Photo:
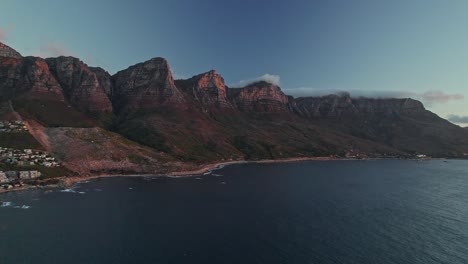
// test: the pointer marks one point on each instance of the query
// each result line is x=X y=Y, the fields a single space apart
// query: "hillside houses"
x=12 y=127
x=11 y=176
x=27 y=157
x=12 y=179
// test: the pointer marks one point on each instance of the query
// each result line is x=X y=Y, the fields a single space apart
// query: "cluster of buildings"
x=27 y=157
x=12 y=126
x=20 y=158
x=14 y=176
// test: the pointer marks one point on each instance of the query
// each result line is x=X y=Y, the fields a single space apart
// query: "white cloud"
x=458 y=119
x=270 y=78
x=429 y=97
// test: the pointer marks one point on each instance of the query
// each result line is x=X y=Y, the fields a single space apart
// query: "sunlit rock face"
x=146 y=85
x=105 y=80
x=207 y=88
x=6 y=51
x=260 y=97
x=81 y=85
x=27 y=75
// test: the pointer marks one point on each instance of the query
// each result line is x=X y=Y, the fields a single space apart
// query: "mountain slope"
x=402 y=124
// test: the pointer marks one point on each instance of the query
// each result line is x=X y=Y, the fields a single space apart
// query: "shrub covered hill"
x=142 y=120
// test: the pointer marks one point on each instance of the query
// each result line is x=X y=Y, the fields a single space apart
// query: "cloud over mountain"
x=458 y=119
x=429 y=97
x=271 y=78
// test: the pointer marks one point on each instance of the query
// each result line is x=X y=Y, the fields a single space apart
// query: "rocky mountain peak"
x=260 y=96
x=146 y=85
x=209 y=79
x=80 y=84
x=207 y=88
x=6 y=51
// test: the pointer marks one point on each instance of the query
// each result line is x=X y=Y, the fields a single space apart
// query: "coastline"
x=188 y=173
x=66 y=182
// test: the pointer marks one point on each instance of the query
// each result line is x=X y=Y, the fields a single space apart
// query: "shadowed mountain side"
x=197 y=136
x=402 y=124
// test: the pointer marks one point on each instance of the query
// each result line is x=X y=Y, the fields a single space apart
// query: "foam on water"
x=11 y=205
x=22 y=207
x=71 y=190
x=6 y=204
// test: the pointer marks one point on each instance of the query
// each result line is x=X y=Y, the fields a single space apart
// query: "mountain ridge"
x=201 y=119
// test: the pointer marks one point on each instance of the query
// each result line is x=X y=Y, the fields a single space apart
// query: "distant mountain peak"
x=6 y=51
x=208 y=88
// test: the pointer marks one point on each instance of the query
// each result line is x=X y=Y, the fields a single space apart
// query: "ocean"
x=382 y=211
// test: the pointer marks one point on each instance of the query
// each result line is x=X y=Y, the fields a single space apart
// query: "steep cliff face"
x=176 y=117
x=207 y=88
x=81 y=85
x=145 y=86
x=105 y=80
x=9 y=75
x=27 y=75
x=6 y=51
x=259 y=97
x=343 y=105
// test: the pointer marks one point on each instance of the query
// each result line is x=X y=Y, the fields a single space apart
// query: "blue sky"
x=401 y=48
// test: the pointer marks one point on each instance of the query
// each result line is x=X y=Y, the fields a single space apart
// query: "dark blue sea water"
x=309 y=212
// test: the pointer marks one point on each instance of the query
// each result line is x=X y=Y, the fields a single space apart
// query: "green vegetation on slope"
x=52 y=113
x=20 y=140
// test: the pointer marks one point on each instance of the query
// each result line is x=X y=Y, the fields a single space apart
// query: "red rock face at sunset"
x=207 y=88
x=145 y=86
x=80 y=84
x=260 y=97
x=27 y=75
x=6 y=51
x=202 y=120
x=104 y=79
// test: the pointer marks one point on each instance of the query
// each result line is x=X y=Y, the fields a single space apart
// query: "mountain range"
x=141 y=120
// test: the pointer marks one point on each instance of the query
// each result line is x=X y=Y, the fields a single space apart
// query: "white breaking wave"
x=10 y=204
x=22 y=207
x=71 y=190
x=6 y=204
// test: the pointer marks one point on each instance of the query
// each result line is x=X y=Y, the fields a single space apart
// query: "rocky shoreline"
x=65 y=182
